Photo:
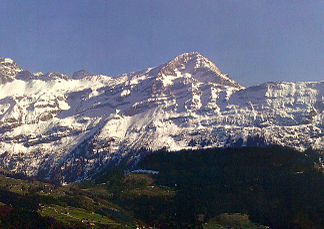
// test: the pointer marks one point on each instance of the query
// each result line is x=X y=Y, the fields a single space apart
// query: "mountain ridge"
x=66 y=128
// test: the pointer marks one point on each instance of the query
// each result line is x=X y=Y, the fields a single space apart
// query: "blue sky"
x=254 y=41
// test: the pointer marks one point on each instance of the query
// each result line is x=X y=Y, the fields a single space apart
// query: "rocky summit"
x=66 y=128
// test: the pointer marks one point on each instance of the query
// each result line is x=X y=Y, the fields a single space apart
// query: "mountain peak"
x=198 y=60
x=192 y=54
x=80 y=74
x=6 y=61
x=8 y=70
x=199 y=67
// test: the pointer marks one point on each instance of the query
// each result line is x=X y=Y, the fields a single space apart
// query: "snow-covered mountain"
x=66 y=128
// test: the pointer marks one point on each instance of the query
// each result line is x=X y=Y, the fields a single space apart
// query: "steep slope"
x=8 y=70
x=66 y=128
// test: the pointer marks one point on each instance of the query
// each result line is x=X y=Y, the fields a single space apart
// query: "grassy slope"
x=234 y=221
x=81 y=204
x=66 y=204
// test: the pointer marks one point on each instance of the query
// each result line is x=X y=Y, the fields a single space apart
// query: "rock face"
x=8 y=70
x=67 y=128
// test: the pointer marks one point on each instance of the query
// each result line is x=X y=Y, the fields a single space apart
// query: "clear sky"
x=254 y=41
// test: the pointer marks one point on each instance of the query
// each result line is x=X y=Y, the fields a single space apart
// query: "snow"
x=125 y=93
x=145 y=171
x=7 y=61
x=38 y=74
x=55 y=122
